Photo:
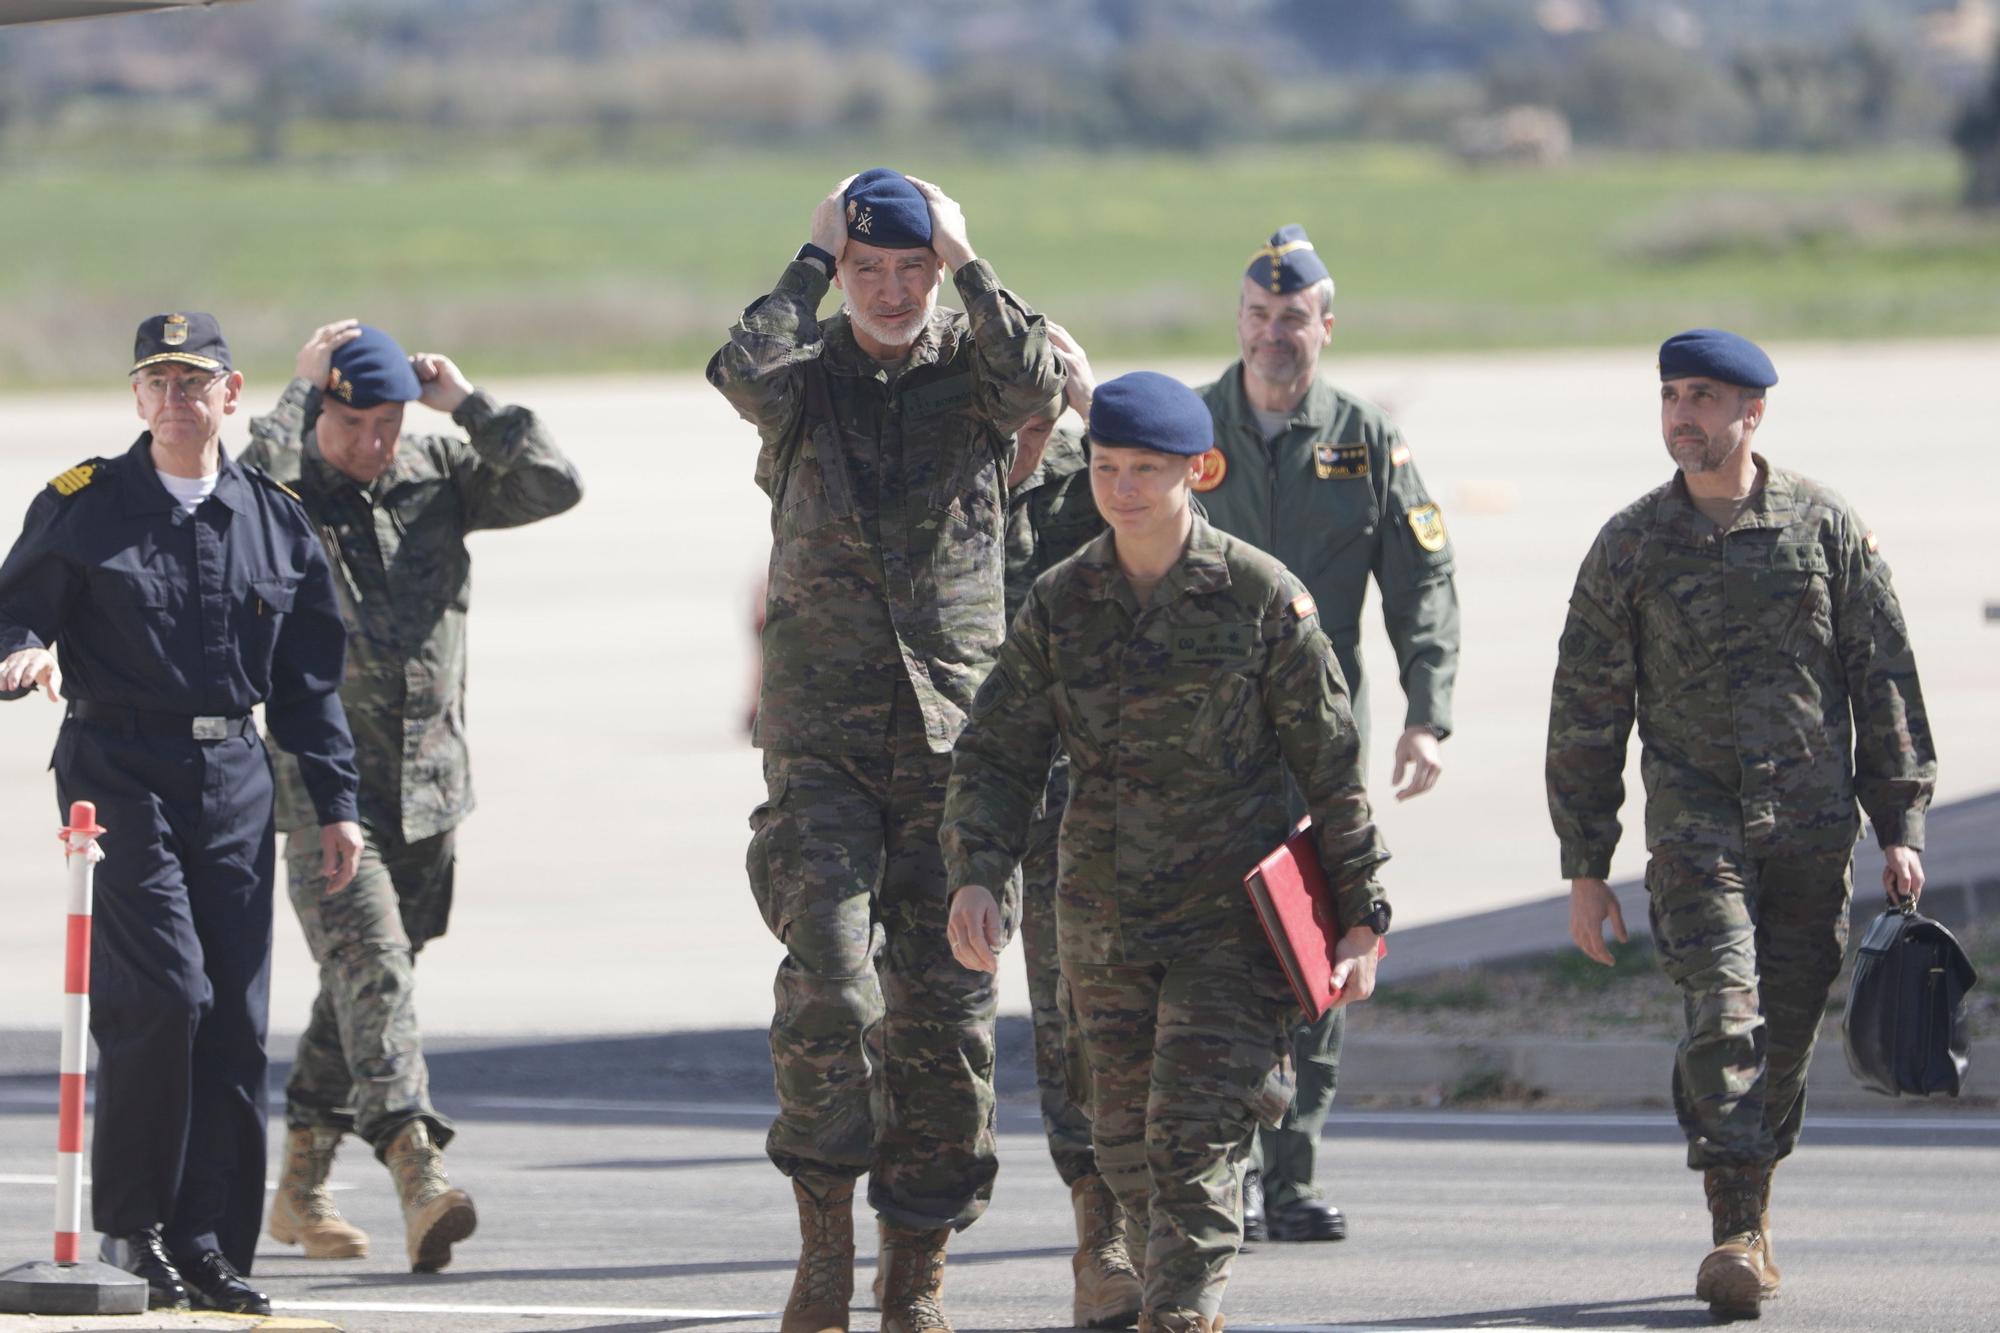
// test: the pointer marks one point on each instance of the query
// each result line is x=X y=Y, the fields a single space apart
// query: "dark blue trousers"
x=179 y=981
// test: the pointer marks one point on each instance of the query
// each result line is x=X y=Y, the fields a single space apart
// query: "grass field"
x=603 y=268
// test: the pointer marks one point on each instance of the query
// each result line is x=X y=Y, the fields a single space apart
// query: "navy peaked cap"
x=884 y=209
x=1717 y=355
x=1148 y=410
x=1288 y=263
x=193 y=339
x=371 y=370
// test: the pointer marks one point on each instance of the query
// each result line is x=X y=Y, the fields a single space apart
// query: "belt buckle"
x=211 y=728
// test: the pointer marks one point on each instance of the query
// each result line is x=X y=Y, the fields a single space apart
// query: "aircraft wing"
x=45 y=11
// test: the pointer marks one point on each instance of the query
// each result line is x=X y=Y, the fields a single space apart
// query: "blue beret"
x=1148 y=410
x=372 y=370
x=193 y=339
x=884 y=209
x=1717 y=355
x=1288 y=264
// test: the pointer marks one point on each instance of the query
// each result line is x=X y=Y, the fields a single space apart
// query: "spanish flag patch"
x=1399 y=455
x=74 y=480
x=1871 y=543
x=1302 y=606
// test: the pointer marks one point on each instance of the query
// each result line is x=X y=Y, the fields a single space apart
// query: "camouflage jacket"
x=405 y=580
x=1743 y=655
x=887 y=520
x=1180 y=721
x=1050 y=515
x=1336 y=498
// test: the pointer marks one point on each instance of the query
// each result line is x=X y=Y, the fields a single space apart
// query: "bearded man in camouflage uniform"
x=1185 y=675
x=1742 y=614
x=393 y=512
x=886 y=437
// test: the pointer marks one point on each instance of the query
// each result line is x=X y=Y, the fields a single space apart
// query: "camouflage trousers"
x=881 y=1044
x=1754 y=946
x=1186 y=1059
x=1060 y=1071
x=360 y=1062
x=1286 y=1155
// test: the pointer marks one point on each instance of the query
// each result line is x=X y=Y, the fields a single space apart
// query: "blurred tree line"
x=301 y=79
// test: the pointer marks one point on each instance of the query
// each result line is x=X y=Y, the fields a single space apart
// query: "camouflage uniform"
x=1180 y=721
x=883 y=614
x=1050 y=515
x=1746 y=652
x=404 y=578
x=1337 y=499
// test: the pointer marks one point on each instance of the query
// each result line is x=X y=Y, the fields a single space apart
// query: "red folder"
x=1288 y=890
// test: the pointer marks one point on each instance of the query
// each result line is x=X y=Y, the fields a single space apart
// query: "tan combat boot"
x=1770 y=1279
x=1179 y=1321
x=302 y=1213
x=1731 y=1278
x=1108 y=1292
x=435 y=1215
x=824 y=1283
x=913 y=1281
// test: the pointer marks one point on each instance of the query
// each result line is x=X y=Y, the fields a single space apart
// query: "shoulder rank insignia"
x=1301 y=606
x=74 y=480
x=1341 y=462
x=1399 y=455
x=1427 y=522
x=1214 y=467
x=286 y=489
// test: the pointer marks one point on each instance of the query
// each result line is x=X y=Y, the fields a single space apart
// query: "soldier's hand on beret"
x=1079 y=381
x=1902 y=875
x=30 y=667
x=445 y=386
x=1591 y=903
x=829 y=221
x=339 y=854
x=948 y=237
x=315 y=363
x=1417 y=751
x=974 y=929
x=1354 y=960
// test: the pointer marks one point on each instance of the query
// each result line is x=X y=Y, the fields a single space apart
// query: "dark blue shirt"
x=209 y=613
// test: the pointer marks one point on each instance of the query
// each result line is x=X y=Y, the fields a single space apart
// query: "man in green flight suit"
x=393 y=511
x=1742 y=616
x=886 y=435
x=1321 y=480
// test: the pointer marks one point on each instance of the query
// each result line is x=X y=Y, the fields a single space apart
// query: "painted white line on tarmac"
x=523 y=1311
x=15 y=1179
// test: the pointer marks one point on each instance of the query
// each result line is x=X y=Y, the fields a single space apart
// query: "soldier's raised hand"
x=829 y=221
x=315 y=363
x=1591 y=904
x=948 y=237
x=1079 y=381
x=974 y=930
x=445 y=385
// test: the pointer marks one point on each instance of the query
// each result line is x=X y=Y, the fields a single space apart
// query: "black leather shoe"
x=1253 y=1207
x=1308 y=1219
x=142 y=1255
x=216 y=1285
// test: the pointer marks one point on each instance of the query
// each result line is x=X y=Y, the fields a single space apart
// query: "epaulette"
x=271 y=481
x=72 y=480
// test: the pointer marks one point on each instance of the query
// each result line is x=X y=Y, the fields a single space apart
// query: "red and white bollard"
x=70 y=1285
x=80 y=853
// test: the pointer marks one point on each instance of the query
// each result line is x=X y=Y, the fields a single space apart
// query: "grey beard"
x=894 y=335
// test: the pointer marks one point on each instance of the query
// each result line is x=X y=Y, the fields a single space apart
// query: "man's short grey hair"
x=1323 y=289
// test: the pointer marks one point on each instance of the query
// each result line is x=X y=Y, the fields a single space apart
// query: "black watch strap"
x=1377 y=918
x=811 y=251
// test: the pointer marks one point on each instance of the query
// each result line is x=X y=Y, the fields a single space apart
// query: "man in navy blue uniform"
x=181 y=590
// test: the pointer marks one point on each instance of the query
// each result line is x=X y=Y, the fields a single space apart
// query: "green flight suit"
x=1338 y=499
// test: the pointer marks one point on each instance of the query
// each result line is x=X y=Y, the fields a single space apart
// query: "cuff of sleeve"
x=990 y=872
x=477 y=409
x=1357 y=902
x=1906 y=829
x=804 y=281
x=975 y=279
x=299 y=393
x=1582 y=863
x=1437 y=720
x=343 y=811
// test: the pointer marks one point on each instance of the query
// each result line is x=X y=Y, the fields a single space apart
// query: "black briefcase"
x=1905 y=1025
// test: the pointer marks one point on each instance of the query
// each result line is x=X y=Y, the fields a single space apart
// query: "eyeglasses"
x=187 y=387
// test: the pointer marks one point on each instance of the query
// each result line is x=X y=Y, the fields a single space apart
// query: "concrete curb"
x=161 y=1321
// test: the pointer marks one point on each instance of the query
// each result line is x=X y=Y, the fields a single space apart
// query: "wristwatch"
x=1377 y=917
x=811 y=251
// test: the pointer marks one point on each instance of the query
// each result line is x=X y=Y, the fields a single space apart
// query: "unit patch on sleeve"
x=74 y=480
x=1339 y=462
x=1427 y=522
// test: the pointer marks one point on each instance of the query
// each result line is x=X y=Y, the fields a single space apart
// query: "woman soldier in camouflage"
x=1184 y=672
